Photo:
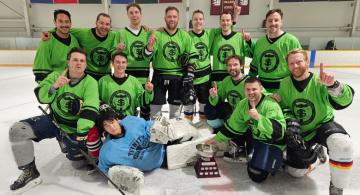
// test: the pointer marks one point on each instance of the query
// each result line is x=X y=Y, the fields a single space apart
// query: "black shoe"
x=236 y=154
x=29 y=178
x=334 y=190
x=320 y=153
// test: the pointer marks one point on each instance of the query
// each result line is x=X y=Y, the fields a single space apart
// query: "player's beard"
x=234 y=73
x=299 y=72
x=171 y=26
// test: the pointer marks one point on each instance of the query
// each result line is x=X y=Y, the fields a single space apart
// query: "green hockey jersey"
x=269 y=61
x=270 y=128
x=309 y=102
x=51 y=55
x=229 y=91
x=74 y=107
x=222 y=48
x=124 y=95
x=98 y=50
x=167 y=49
x=138 y=64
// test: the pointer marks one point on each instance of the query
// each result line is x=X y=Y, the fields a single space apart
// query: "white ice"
x=17 y=101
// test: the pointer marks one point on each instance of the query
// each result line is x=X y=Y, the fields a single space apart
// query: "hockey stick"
x=81 y=151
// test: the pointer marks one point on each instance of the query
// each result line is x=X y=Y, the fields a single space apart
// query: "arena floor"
x=18 y=102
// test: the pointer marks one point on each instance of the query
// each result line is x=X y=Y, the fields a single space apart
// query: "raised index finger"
x=252 y=104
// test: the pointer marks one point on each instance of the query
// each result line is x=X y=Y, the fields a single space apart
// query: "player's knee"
x=257 y=175
x=340 y=147
x=294 y=172
x=20 y=131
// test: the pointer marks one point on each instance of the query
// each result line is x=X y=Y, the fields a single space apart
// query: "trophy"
x=206 y=166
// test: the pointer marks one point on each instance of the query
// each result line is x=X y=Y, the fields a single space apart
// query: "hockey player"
x=132 y=40
x=309 y=100
x=165 y=47
x=134 y=145
x=98 y=42
x=202 y=40
x=263 y=117
x=223 y=99
x=270 y=51
x=51 y=55
x=123 y=92
x=228 y=43
x=127 y=150
x=74 y=103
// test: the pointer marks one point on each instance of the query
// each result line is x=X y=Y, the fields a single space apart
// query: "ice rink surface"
x=18 y=102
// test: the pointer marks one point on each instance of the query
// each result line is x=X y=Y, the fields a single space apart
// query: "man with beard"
x=260 y=115
x=166 y=46
x=270 y=52
x=308 y=101
x=224 y=96
x=98 y=44
x=132 y=41
x=74 y=101
x=51 y=55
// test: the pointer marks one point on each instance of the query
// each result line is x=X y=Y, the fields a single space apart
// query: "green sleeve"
x=264 y=125
x=344 y=99
x=42 y=92
x=89 y=109
x=78 y=32
x=42 y=59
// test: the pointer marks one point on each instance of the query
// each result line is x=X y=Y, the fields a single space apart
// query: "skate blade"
x=237 y=161
x=28 y=186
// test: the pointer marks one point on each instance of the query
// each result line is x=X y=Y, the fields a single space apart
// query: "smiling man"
x=51 y=55
x=270 y=51
x=165 y=47
x=74 y=101
x=308 y=101
x=98 y=42
x=131 y=41
x=262 y=116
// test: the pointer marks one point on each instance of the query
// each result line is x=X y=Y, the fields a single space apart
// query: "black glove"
x=292 y=135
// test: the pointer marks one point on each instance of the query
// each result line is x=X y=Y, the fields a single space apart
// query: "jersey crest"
x=136 y=50
x=69 y=103
x=224 y=52
x=202 y=50
x=304 y=111
x=100 y=56
x=137 y=146
x=233 y=97
x=171 y=51
x=120 y=101
x=269 y=61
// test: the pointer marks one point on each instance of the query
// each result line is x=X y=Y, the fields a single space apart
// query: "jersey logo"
x=69 y=104
x=136 y=50
x=269 y=61
x=120 y=101
x=304 y=111
x=171 y=51
x=233 y=97
x=202 y=50
x=137 y=147
x=224 y=52
x=100 y=57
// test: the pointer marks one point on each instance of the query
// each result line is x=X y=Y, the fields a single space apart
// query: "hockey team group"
x=106 y=112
